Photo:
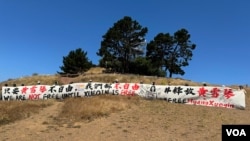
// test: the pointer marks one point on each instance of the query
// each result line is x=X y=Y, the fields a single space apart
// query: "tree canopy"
x=76 y=62
x=122 y=44
x=171 y=52
x=123 y=50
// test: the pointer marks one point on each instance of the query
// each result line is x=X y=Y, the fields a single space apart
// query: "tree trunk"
x=170 y=74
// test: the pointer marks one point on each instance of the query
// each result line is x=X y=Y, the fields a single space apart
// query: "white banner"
x=196 y=95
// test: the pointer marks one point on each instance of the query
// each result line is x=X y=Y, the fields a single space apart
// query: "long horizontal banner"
x=196 y=95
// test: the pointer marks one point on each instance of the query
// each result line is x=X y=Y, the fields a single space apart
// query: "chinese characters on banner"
x=206 y=96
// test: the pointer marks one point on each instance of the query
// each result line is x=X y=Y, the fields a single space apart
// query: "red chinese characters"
x=202 y=92
x=117 y=86
x=33 y=89
x=215 y=92
x=24 y=90
x=42 y=89
x=127 y=88
x=228 y=93
x=135 y=87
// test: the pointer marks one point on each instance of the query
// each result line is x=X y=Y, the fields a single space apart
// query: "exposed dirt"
x=147 y=121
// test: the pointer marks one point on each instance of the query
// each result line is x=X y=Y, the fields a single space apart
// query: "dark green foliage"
x=122 y=44
x=159 y=49
x=122 y=50
x=143 y=66
x=76 y=62
x=171 y=52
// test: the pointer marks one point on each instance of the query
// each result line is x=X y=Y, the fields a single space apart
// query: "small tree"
x=76 y=62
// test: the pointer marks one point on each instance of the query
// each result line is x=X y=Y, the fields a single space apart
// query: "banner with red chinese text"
x=196 y=95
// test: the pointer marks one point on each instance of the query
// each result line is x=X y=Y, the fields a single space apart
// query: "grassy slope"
x=200 y=117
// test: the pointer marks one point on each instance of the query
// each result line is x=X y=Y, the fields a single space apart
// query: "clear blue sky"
x=36 y=34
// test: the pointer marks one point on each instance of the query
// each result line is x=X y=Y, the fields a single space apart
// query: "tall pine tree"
x=122 y=44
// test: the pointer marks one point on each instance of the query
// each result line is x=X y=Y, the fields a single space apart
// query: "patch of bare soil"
x=31 y=128
x=148 y=121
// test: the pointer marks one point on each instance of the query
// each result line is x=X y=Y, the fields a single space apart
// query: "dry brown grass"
x=96 y=75
x=75 y=109
x=16 y=110
x=88 y=109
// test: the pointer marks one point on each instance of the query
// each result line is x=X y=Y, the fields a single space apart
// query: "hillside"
x=112 y=118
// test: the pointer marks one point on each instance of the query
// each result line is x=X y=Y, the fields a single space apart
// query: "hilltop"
x=96 y=75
